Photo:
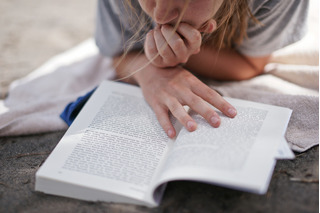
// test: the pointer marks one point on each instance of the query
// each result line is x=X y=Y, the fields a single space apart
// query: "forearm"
x=225 y=64
x=129 y=66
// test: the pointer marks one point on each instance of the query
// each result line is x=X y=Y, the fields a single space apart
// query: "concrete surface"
x=31 y=32
x=294 y=186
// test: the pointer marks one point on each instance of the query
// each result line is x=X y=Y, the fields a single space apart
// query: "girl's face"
x=196 y=14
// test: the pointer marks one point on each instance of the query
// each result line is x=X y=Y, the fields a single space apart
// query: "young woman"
x=161 y=44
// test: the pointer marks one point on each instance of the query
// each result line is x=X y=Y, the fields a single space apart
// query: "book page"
x=284 y=151
x=240 y=153
x=225 y=148
x=115 y=144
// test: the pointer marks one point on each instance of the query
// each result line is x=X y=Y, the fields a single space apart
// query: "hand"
x=168 y=90
x=165 y=47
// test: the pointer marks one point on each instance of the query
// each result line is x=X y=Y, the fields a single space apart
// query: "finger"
x=163 y=48
x=202 y=108
x=191 y=35
x=151 y=48
x=176 y=43
x=164 y=120
x=180 y=113
x=213 y=98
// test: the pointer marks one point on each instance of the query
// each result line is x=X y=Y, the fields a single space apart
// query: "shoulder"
x=125 y=12
x=117 y=26
x=281 y=22
x=113 y=7
x=263 y=8
x=120 y=7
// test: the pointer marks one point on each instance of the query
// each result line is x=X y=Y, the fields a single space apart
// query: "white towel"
x=35 y=102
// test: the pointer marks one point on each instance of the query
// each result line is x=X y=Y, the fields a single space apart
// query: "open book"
x=116 y=151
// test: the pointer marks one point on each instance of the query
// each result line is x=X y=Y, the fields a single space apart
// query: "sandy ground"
x=32 y=31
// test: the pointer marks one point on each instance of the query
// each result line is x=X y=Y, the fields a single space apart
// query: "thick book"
x=116 y=151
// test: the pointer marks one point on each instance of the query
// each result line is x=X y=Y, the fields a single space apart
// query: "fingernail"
x=170 y=133
x=215 y=121
x=191 y=125
x=232 y=112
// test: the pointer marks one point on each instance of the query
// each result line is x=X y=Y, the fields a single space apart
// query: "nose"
x=165 y=12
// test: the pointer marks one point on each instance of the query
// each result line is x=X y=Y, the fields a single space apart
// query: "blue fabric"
x=71 y=111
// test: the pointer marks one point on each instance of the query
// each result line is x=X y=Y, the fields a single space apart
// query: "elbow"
x=247 y=74
x=252 y=68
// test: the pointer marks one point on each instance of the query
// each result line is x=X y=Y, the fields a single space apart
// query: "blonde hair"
x=232 y=21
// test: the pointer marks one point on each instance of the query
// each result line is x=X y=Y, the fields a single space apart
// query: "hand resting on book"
x=168 y=90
